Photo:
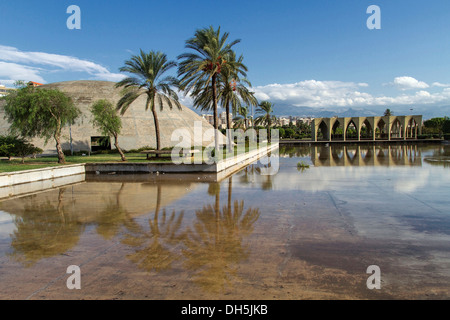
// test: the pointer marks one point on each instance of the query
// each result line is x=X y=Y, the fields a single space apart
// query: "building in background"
x=34 y=84
x=138 y=130
x=4 y=90
x=222 y=120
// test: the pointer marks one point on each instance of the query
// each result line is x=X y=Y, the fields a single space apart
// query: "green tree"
x=446 y=126
x=20 y=83
x=106 y=119
x=36 y=112
x=289 y=132
x=199 y=70
x=147 y=78
x=388 y=113
x=435 y=125
x=265 y=116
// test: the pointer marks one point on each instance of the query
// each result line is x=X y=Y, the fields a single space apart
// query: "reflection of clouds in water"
x=7 y=225
x=412 y=181
x=399 y=179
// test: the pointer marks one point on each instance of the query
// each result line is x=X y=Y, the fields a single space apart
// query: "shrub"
x=13 y=146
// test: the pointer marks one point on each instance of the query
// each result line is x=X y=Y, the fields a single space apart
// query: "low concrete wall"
x=28 y=181
x=40 y=186
x=27 y=176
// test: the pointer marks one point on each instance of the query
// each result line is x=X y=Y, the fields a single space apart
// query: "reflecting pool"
x=303 y=233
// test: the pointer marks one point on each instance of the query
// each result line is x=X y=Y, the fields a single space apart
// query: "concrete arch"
x=381 y=123
x=370 y=131
x=350 y=122
x=381 y=128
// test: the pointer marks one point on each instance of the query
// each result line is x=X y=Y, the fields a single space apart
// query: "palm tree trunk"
x=227 y=110
x=116 y=144
x=158 y=137
x=216 y=118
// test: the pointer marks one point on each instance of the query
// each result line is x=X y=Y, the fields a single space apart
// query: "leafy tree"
x=147 y=78
x=435 y=125
x=289 y=132
x=37 y=112
x=11 y=146
x=20 y=83
x=388 y=113
x=199 y=70
x=446 y=126
x=106 y=119
x=6 y=146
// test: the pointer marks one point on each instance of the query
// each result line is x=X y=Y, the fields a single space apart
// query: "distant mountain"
x=426 y=111
x=281 y=110
x=284 y=110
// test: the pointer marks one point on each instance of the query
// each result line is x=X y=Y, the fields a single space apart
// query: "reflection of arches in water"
x=337 y=153
x=366 y=154
x=352 y=155
x=397 y=154
x=351 y=132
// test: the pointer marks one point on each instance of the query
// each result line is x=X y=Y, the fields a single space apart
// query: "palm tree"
x=147 y=71
x=199 y=70
x=242 y=119
x=231 y=90
x=265 y=118
x=235 y=89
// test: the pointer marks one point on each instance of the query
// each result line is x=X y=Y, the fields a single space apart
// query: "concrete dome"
x=138 y=128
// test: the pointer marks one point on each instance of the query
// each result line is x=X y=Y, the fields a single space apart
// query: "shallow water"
x=304 y=233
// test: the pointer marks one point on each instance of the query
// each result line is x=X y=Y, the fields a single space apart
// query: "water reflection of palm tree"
x=44 y=230
x=266 y=183
x=246 y=174
x=155 y=247
x=113 y=217
x=214 y=246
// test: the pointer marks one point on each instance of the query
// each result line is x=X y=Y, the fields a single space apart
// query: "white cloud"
x=323 y=94
x=409 y=83
x=13 y=71
x=313 y=93
x=441 y=85
x=21 y=65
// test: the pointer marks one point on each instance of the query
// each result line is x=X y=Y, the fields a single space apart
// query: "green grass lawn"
x=52 y=161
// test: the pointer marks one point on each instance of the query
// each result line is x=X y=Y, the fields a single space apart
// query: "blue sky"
x=300 y=53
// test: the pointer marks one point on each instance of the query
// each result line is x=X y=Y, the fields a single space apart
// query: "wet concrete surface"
x=300 y=234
